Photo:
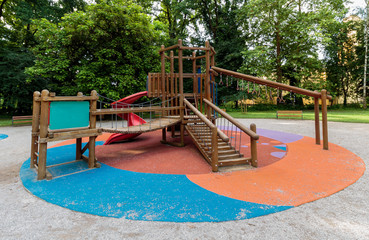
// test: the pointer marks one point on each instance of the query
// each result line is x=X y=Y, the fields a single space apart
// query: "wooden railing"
x=323 y=95
x=234 y=126
x=213 y=144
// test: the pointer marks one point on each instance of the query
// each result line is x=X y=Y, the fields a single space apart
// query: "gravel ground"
x=344 y=215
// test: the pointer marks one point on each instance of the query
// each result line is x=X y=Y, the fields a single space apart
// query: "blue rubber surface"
x=112 y=192
x=3 y=136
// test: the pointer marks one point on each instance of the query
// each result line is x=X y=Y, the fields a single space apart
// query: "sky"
x=356 y=4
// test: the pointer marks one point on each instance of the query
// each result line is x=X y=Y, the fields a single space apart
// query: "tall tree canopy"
x=343 y=58
x=17 y=36
x=110 y=47
x=286 y=36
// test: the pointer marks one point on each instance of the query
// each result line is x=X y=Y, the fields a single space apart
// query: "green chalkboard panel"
x=71 y=114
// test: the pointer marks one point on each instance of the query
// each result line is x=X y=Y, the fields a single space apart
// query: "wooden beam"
x=269 y=83
x=67 y=98
x=132 y=110
x=52 y=137
x=194 y=48
x=168 y=48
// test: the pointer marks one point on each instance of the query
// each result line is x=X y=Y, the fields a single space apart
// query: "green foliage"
x=177 y=15
x=17 y=36
x=285 y=37
x=110 y=48
x=343 y=66
x=15 y=94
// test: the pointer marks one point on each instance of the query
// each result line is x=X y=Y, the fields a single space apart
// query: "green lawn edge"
x=351 y=116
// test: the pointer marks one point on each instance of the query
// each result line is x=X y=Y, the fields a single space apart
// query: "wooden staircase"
x=201 y=136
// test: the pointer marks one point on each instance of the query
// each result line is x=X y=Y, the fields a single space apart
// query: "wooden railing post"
x=163 y=93
x=92 y=140
x=194 y=71
x=207 y=80
x=317 y=122
x=324 y=119
x=35 y=128
x=254 y=153
x=181 y=96
x=44 y=123
x=214 y=148
x=79 y=140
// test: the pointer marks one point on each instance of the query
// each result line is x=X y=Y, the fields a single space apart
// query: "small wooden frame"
x=43 y=119
x=21 y=119
x=289 y=114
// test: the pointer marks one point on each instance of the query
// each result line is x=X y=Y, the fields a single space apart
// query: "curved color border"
x=305 y=174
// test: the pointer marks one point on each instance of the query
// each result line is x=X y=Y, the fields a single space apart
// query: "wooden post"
x=78 y=148
x=254 y=152
x=44 y=122
x=35 y=128
x=207 y=80
x=92 y=140
x=79 y=140
x=162 y=78
x=212 y=63
x=181 y=96
x=214 y=148
x=194 y=71
x=317 y=122
x=164 y=135
x=324 y=119
x=173 y=79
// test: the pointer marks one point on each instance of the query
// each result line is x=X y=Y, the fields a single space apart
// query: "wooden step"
x=225 y=152
x=203 y=134
x=221 y=145
x=229 y=156
x=233 y=161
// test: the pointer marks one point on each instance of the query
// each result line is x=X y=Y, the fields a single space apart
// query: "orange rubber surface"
x=305 y=174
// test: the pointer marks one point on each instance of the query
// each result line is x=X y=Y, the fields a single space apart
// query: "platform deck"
x=153 y=125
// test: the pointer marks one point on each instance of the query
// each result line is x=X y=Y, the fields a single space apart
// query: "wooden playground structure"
x=215 y=133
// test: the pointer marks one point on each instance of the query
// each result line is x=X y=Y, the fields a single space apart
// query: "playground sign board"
x=71 y=114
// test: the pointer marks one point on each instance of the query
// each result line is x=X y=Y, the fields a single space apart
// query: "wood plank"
x=147 y=127
x=232 y=162
x=67 y=98
x=69 y=135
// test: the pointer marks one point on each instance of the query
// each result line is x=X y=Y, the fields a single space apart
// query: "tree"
x=286 y=36
x=343 y=65
x=17 y=36
x=110 y=48
x=222 y=26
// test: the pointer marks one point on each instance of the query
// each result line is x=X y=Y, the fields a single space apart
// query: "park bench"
x=289 y=114
x=21 y=119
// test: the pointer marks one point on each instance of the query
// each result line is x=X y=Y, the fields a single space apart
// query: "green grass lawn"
x=5 y=121
x=354 y=116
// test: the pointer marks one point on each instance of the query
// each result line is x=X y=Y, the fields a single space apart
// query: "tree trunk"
x=278 y=57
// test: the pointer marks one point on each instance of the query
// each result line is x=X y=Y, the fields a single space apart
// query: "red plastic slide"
x=133 y=119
